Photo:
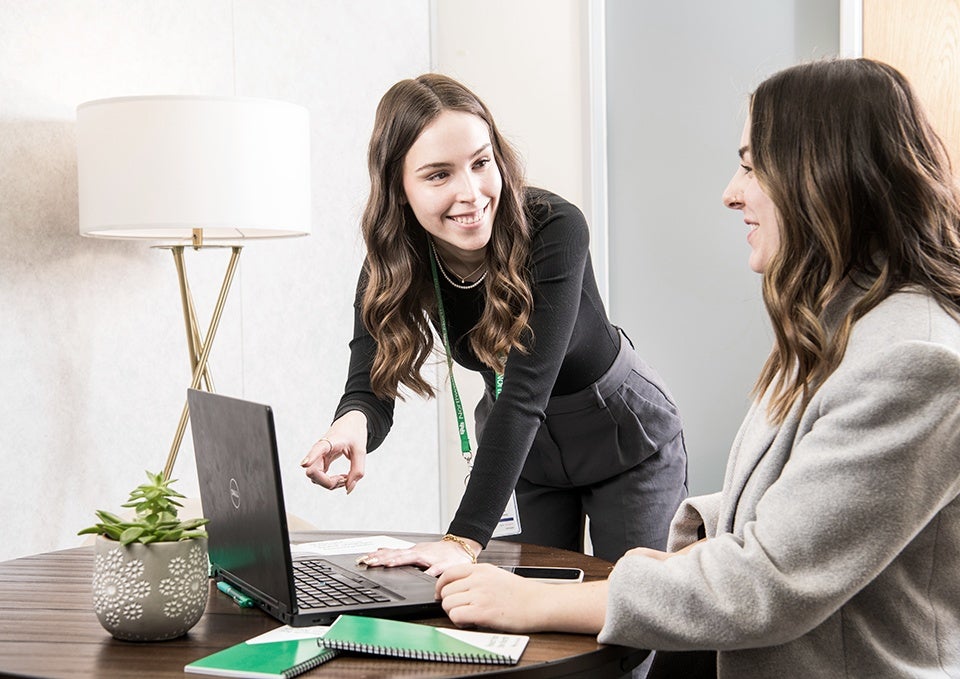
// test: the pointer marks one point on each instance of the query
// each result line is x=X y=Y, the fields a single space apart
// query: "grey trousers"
x=613 y=452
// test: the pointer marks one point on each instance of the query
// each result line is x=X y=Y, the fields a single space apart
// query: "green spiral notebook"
x=281 y=653
x=400 y=639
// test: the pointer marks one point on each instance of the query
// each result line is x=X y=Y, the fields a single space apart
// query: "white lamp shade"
x=158 y=167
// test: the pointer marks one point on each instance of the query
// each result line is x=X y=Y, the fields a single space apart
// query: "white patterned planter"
x=150 y=592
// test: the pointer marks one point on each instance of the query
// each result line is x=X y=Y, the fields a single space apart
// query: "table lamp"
x=198 y=172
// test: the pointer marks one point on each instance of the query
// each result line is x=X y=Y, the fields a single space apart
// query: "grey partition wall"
x=677 y=79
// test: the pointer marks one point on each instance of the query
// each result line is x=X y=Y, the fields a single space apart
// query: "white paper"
x=510 y=645
x=288 y=633
x=361 y=545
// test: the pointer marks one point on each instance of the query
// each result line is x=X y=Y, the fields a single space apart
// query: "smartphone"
x=547 y=573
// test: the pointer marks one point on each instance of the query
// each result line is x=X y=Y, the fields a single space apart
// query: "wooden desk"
x=48 y=627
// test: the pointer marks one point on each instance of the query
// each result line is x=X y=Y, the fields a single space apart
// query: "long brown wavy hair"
x=399 y=303
x=864 y=191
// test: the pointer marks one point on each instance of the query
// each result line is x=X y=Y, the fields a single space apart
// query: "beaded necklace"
x=462 y=285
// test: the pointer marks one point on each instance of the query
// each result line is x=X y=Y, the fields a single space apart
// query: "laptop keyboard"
x=321 y=586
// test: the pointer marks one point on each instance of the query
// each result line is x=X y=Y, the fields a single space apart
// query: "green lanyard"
x=457 y=403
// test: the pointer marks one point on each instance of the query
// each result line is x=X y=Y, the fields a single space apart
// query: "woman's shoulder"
x=902 y=363
x=537 y=195
x=907 y=316
x=546 y=209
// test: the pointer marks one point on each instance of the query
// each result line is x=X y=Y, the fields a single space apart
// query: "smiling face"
x=453 y=184
x=744 y=193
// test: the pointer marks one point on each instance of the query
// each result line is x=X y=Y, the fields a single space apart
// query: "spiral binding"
x=412 y=654
x=308 y=665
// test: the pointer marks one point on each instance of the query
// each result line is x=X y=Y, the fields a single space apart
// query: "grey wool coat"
x=834 y=545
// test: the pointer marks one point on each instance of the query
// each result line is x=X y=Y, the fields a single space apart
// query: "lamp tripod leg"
x=194 y=339
x=201 y=365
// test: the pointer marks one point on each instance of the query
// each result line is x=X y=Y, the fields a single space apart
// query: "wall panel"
x=921 y=39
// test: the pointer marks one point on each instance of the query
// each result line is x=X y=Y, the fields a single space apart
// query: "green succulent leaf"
x=107 y=517
x=130 y=534
x=191 y=524
x=112 y=532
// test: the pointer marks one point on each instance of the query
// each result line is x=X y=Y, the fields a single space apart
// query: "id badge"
x=509 y=523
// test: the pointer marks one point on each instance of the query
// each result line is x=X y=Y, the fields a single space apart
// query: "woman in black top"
x=571 y=417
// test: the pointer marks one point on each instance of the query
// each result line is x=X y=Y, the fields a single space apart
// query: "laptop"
x=238 y=468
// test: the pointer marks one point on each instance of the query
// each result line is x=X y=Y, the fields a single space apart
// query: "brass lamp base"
x=198 y=347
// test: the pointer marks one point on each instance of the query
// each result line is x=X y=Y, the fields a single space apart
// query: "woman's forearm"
x=578 y=609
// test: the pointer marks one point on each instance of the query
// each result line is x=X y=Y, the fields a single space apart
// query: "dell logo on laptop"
x=235 y=493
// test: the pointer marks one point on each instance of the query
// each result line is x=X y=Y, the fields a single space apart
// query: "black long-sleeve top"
x=573 y=345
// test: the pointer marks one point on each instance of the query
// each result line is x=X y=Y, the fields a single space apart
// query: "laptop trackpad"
x=401 y=579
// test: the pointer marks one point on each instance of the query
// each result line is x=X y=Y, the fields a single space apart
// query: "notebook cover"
x=272 y=659
x=401 y=639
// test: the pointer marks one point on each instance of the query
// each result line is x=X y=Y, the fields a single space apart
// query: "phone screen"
x=554 y=574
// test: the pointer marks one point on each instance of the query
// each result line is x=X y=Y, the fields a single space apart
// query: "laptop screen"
x=241 y=494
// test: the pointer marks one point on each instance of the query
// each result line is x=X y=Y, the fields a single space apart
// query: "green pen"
x=241 y=599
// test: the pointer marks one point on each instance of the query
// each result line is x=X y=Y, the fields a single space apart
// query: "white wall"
x=678 y=76
x=93 y=362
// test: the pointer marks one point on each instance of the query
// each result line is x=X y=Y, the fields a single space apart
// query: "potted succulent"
x=150 y=573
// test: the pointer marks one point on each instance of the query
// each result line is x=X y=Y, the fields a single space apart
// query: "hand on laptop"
x=436 y=557
x=346 y=437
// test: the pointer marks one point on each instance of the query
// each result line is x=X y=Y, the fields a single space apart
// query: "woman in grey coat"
x=833 y=549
